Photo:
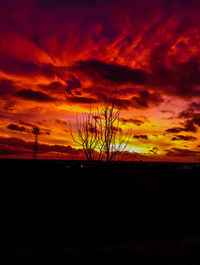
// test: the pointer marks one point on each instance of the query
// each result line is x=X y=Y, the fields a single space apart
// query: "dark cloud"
x=98 y=70
x=81 y=100
x=61 y=122
x=134 y=121
x=184 y=138
x=15 y=127
x=196 y=120
x=6 y=150
x=185 y=115
x=27 y=124
x=13 y=146
x=16 y=116
x=30 y=94
x=122 y=103
x=116 y=129
x=182 y=152
x=15 y=143
x=167 y=111
x=175 y=130
x=54 y=87
x=45 y=131
x=44 y=148
x=194 y=106
x=180 y=79
x=144 y=99
x=126 y=91
x=188 y=126
x=72 y=84
x=33 y=127
x=192 y=113
x=154 y=150
x=191 y=116
x=142 y=136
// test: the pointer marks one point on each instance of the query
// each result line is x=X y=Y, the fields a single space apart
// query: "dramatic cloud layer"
x=33 y=95
x=60 y=57
x=16 y=146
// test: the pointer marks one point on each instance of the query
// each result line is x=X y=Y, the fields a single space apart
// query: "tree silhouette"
x=87 y=135
x=99 y=133
x=113 y=140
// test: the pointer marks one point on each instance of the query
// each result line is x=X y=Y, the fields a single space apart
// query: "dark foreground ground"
x=57 y=212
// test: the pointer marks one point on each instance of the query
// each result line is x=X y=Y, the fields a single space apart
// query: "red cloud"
x=16 y=146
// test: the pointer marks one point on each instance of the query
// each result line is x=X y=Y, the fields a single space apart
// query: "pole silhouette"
x=36 y=131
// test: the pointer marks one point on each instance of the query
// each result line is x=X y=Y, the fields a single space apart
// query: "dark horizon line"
x=96 y=161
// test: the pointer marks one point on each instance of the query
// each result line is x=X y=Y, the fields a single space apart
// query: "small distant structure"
x=36 y=131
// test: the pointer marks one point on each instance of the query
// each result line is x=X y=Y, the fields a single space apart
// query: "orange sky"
x=55 y=57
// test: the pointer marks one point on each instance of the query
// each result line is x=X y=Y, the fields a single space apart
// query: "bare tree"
x=99 y=133
x=113 y=140
x=87 y=135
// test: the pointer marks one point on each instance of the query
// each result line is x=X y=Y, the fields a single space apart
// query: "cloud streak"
x=30 y=94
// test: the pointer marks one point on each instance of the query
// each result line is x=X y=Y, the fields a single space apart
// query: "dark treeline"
x=77 y=212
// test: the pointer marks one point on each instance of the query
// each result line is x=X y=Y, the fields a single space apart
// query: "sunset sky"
x=56 y=55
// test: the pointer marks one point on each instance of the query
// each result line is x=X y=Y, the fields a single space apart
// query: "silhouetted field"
x=75 y=212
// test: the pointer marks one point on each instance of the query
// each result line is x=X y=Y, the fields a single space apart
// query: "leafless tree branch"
x=99 y=133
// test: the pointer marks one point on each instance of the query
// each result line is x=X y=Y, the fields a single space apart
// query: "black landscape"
x=80 y=212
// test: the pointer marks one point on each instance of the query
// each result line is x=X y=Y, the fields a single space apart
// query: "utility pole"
x=36 y=131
